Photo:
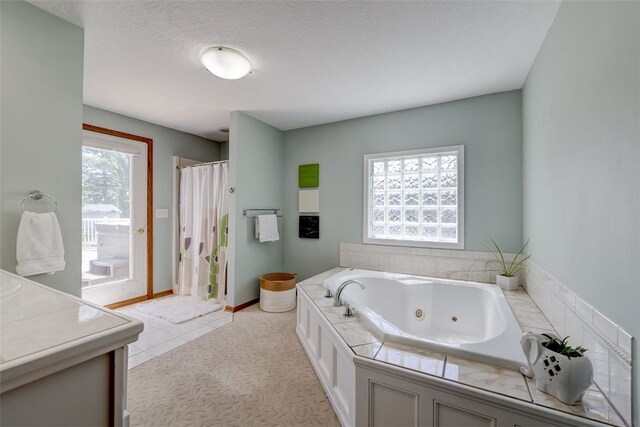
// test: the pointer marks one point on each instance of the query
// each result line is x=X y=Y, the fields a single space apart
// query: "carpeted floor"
x=252 y=371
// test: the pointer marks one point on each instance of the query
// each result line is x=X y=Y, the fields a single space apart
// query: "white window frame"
x=366 y=225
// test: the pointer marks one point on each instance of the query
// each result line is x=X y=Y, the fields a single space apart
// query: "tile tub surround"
x=489 y=378
x=443 y=263
x=609 y=345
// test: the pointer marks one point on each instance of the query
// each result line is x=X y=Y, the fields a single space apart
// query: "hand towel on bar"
x=267 y=228
x=39 y=247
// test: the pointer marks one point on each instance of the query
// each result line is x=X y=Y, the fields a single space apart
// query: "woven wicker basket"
x=278 y=292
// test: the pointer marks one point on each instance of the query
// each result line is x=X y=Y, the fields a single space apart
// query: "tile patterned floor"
x=160 y=336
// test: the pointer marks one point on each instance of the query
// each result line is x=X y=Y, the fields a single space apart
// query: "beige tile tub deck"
x=367 y=350
x=355 y=333
x=499 y=380
x=593 y=404
x=416 y=359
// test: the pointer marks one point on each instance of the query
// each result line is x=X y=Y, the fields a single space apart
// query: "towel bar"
x=275 y=211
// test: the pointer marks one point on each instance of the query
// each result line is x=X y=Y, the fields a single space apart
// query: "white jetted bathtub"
x=467 y=319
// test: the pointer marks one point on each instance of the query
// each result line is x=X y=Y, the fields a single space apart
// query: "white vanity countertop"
x=511 y=384
x=43 y=330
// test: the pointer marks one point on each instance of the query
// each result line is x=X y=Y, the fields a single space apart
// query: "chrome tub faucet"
x=336 y=298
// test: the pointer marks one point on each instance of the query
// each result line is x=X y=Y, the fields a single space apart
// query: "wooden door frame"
x=149 y=143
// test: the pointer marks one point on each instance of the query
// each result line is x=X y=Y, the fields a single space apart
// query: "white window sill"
x=414 y=243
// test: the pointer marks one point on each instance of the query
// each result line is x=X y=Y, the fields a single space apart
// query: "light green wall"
x=256 y=165
x=224 y=150
x=166 y=144
x=581 y=112
x=488 y=126
x=41 y=121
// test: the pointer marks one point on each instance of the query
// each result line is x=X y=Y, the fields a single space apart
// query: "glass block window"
x=415 y=198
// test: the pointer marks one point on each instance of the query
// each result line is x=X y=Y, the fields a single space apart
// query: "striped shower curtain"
x=203 y=240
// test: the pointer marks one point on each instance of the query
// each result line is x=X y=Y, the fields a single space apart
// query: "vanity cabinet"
x=63 y=361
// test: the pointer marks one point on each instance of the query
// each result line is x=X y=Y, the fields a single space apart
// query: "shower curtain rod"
x=202 y=164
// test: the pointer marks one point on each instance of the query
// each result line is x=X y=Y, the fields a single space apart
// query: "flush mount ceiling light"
x=225 y=63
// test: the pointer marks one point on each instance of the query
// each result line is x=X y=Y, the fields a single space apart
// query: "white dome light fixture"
x=225 y=63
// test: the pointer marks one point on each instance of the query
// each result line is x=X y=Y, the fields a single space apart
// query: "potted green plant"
x=507 y=277
x=560 y=346
x=559 y=369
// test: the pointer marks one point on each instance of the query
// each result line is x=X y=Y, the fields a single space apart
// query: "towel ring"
x=38 y=195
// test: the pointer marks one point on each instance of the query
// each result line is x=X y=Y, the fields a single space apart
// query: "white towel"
x=267 y=228
x=39 y=247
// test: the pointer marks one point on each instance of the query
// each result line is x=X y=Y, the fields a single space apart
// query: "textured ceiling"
x=314 y=61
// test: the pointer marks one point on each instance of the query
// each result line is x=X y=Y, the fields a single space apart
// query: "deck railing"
x=89 y=234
